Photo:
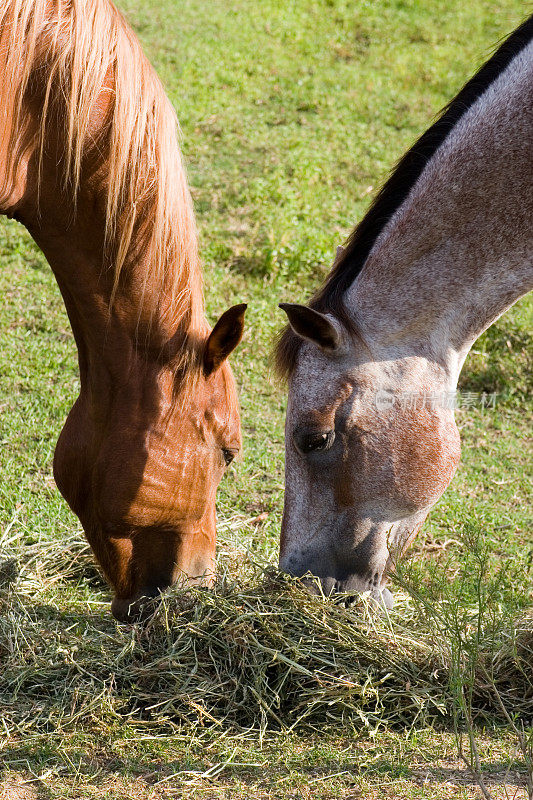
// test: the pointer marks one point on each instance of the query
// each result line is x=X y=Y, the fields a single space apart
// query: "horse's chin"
x=383 y=598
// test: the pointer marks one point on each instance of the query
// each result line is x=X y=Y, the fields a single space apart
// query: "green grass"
x=292 y=114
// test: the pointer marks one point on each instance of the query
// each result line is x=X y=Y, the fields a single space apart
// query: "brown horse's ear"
x=224 y=337
x=312 y=325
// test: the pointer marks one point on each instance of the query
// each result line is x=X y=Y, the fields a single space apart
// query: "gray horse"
x=373 y=361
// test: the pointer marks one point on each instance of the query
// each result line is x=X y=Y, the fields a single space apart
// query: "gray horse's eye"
x=314 y=442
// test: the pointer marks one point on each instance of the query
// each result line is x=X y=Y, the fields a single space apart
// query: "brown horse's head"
x=140 y=462
x=90 y=163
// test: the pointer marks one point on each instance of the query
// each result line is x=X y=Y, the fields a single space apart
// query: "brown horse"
x=89 y=163
x=373 y=363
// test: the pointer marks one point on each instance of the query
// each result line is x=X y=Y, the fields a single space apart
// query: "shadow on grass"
x=36 y=765
x=494 y=773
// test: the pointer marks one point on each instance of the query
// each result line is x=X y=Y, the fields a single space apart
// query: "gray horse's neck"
x=459 y=250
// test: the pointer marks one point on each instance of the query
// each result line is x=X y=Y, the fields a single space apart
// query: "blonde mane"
x=81 y=49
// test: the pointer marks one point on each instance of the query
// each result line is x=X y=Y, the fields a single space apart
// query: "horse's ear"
x=312 y=325
x=224 y=338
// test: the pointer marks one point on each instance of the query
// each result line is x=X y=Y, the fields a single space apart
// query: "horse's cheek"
x=428 y=458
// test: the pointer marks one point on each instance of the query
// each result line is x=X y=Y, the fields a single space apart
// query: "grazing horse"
x=90 y=164
x=372 y=362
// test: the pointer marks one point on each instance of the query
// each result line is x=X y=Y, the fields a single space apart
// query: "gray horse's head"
x=370 y=447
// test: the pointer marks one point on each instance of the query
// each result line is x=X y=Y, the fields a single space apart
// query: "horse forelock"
x=330 y=297
x=82 y=50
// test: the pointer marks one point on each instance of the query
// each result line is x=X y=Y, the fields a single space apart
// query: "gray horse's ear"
x=224 y=338
x=312 y=325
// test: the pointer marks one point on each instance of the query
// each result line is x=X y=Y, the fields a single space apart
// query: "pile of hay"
x=256 y=652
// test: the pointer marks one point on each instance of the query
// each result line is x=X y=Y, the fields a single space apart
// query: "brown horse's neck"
x=457 y=253
x=90 y=164
x=119 y=334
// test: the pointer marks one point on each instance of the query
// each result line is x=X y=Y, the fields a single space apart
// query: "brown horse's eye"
x=229 y=455
x=314 y=442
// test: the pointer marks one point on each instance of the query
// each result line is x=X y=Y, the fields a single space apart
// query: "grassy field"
x=292 y=113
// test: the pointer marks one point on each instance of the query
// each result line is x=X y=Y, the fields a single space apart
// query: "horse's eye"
x=315 y=442
x=229 y=455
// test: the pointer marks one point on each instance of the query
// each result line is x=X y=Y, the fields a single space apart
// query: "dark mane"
x=330 y=297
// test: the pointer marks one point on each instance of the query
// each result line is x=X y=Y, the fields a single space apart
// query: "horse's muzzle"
x=136 y=609
x=329 y=579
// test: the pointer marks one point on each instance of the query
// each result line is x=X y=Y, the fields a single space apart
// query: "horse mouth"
x=138 y=608
x=344 y=592
x=145 y=602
